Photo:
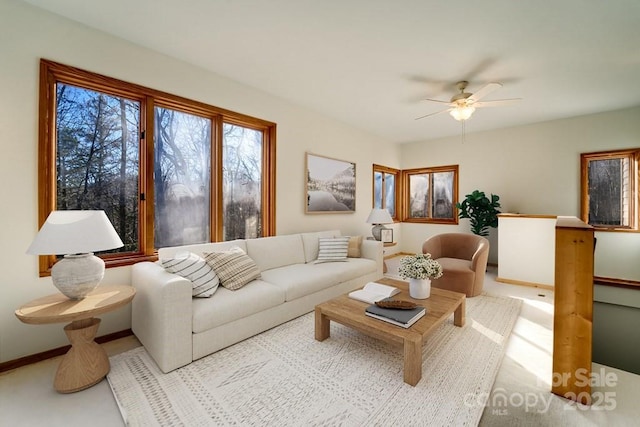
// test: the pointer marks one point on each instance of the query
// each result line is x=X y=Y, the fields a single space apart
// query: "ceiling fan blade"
x=437 y=100
x=484 y=91
x=433 y=114
x=497 y=102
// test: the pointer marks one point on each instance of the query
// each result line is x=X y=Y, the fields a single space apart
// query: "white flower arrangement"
x=419 y=266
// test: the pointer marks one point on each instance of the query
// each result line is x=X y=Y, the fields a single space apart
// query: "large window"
x=430 y=195
x=609 y=199
x=166 y=170
x=385 y=189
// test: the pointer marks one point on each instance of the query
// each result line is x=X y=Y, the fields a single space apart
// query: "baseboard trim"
x=38 y=357
x=523 y=283
x=620 y=283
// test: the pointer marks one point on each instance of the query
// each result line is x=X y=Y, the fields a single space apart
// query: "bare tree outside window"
x=609 y=189
x=182 y=176
x=97 y=157
x=442 y=184
x=385 y=187
x=419 y=195
x=241 y=182
x=430 y=194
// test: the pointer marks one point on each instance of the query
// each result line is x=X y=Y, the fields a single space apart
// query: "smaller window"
x=609 y=195
x=385 y=189
x=430 y=195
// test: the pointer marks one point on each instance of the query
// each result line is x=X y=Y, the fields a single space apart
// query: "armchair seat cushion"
x=458 y=274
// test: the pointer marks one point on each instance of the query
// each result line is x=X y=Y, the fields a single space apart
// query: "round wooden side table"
x=86 y=363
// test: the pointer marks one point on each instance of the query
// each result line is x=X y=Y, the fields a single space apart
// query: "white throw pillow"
x=332 y=249
x=234 y=267
x=192 y=267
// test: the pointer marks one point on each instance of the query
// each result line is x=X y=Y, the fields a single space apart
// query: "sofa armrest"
x=374 y=250
x=162 y=315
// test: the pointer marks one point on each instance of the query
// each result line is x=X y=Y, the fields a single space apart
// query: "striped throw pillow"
x=332 y=249
x=234 y=268
x=192 y=267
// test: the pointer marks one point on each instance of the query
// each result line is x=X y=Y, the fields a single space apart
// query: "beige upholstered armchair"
x=464 y=261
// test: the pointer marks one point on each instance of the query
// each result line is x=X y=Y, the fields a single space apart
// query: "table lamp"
x=76 y=235
x=378 y=217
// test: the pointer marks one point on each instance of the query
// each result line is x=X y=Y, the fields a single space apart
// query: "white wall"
x=535 y=169
x=28 y=34
x=526 y=249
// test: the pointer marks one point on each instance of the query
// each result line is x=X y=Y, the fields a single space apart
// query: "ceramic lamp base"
x=77 y=275
x=376 y=231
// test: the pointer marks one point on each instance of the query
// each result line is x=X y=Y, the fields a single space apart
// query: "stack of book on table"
x=374 y=292
x=404 y=318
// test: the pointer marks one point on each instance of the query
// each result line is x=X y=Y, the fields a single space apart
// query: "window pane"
x=390 y=193
x=609 y=188
x=442 y=195
x=241 y=182
x=418 y=195
x=182 y=177
x=377 y=190
x=97 y=157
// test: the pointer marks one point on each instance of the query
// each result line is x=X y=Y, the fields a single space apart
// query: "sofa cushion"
x=193 y=267
x=332 y=249
x=310 y=242
x=299 y=280
x=234 y=267
x=276 y=251
x=353 y=250
x=227 y=306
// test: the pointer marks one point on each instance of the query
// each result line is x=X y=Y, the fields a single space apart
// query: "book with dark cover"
x=404 y=318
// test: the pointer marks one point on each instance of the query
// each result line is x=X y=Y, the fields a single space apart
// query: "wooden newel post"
x=573 y=310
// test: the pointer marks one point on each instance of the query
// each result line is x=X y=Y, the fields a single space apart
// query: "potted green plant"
x=481 y=210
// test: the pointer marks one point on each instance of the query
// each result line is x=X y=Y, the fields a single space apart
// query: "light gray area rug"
x=284 y=377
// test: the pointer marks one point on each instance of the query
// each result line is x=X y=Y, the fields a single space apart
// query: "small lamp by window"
x=76 y=235
x=378 y=217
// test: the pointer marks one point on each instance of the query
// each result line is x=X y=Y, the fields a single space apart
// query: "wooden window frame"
x=52 y=73
x=406 y=174
x=397 y=173
x=633 y=154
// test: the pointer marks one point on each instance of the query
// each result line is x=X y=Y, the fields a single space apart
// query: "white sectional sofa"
x=176 y=329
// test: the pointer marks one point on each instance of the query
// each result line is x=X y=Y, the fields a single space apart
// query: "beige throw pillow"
x=192 y=267
x=234 y=267
x=353 y=250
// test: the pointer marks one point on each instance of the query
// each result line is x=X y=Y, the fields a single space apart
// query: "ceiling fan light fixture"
x=462 y=113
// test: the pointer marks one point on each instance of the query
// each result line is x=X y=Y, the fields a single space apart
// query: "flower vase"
x=419 y=288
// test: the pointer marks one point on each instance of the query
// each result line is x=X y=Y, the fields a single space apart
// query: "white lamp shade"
x=75 y=232
x=379 y=216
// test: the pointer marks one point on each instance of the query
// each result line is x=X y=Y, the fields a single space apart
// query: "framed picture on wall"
x=386 y=235
x=330 y=185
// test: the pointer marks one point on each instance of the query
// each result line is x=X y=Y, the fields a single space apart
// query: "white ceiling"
x=370 y=62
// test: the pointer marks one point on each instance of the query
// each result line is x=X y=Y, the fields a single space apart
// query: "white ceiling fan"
x=463 y=104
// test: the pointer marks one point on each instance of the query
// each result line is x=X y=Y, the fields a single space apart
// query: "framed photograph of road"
x=331 y=185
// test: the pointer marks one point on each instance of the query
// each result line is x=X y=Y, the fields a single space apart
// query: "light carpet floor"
x=284 y=377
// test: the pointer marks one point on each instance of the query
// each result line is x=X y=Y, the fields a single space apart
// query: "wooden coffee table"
x=349 y=312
